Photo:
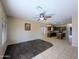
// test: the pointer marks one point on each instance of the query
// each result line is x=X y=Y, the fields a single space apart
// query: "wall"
x=3 y=32
x=17 y=33
x=75 y=31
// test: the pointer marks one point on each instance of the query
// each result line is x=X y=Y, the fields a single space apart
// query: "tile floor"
x=61 y=50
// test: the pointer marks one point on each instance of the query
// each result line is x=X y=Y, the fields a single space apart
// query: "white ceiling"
x=27 y=9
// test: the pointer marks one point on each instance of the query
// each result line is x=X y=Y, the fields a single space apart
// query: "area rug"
x=26 y=50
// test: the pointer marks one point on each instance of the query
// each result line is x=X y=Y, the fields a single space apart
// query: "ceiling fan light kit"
x=42 y=18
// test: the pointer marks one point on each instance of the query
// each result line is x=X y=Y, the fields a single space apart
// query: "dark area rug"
x=26 y=50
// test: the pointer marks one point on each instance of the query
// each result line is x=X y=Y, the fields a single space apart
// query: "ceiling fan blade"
x=48 y=16
x=38 y=20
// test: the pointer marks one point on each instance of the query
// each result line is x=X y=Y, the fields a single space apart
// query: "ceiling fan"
x=42 y=15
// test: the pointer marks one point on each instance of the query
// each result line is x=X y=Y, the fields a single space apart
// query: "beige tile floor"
x=61 y=49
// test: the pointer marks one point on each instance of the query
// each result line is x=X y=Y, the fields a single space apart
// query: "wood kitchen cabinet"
x=59 y=35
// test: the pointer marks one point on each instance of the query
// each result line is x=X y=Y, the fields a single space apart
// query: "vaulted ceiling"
x=27 y=9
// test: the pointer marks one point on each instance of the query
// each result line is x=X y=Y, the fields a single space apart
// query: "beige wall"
x=75 y=31
x=17 y=33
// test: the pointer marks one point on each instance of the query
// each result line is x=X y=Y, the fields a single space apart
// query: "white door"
x=4 y=31
x=0 y=32
x=43 y=31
